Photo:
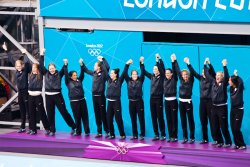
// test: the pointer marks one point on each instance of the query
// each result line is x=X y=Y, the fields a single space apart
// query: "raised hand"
x=100 y=58
x=224 y=62
x=236 y=72
x=65 y=62
x=208 y=60
x=157 y=57
x=130 y=61
x=4 y=46
x=142 y=59
x=42 y=51
x=23 y=51
x=173 y=57
x=186 y=60
x=81 y=61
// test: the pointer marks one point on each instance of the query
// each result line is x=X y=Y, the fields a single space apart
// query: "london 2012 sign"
x=187 y=4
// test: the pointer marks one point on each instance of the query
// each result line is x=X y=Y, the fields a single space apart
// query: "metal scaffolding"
x=24 y=9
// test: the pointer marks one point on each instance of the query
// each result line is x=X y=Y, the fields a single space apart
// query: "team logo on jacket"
x=94 y=49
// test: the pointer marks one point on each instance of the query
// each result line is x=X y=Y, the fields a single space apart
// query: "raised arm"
x=65 y=67
x=241 y=83
x=43 y=69
x=211 y=70
x=122 y=77
x=226 y=74
x=177 y=69
x=105 y=70
x=85 y=69
x=11 y=59
x=175 y=65
x=27 y=65
x=191 y=77
x=161 y=67
x=61 y=72
x=142 y=67
x=126 y=70
x=81 y=77
x=174 y=72
x=147 y=74
x=193 y=72
x=207 y=74
x=105 y=64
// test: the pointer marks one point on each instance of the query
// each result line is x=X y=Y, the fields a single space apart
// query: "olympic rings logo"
x=121 y=149
x=94 y=52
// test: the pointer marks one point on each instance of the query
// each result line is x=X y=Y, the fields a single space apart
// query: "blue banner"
x=159 y=10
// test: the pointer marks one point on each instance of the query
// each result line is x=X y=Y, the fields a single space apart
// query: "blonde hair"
x=21 y=62
x=220 y=72
x=185 y=70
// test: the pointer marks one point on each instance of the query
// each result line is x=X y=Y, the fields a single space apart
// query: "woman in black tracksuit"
x=185 y=97
x=156 y=98
x=237 y=109
x=205 y=100
x=77 y=99
x=114 y=101
x=36 y=100
x=219 y=108
x=23 y=68
x=54 y=96
x=136 y=104
x=171 y=104
x=99 y=99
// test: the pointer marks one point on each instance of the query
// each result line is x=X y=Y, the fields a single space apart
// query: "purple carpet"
x=160 y=152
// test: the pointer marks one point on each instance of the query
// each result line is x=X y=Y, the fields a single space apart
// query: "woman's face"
x=134 y=75
x=34 y=69
x=168 y=74
x=113 y=75
x=52 y=69
x=156 y=70
x=18 y=66
x=185 y=76
x=219 y=77
x=230 y=82
x=96 y=67
x=74 y=76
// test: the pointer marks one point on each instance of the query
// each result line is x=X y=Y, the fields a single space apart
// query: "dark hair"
x=21 y=58
x=71 y=73
x=134 y=71
x=116 y=71
x=51 y=64
x=169 y=69
x=99 y=64
x=235 y=80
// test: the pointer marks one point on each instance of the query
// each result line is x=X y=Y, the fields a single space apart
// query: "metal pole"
x=16 y=13
x=22 y=33
x=17 y=44
x=8 y=22
x=8 y=81
x=8 y=102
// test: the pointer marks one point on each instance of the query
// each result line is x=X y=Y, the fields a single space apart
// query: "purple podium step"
x=159 y=152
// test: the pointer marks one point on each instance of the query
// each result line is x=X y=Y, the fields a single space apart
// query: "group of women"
x=163 y=90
